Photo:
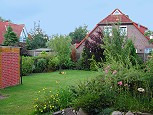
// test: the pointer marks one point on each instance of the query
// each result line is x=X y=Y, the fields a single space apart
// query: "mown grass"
x=20 y=98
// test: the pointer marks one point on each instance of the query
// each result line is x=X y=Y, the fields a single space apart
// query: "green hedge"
x=27 y=65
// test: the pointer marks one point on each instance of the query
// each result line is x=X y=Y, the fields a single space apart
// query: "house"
x=19 y=29
x=131 y=29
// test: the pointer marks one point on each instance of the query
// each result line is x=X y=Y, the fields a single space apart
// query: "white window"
x=117 y=12
x=136 y=50
x=108 y=30
x=123 y=30
x=148 y=50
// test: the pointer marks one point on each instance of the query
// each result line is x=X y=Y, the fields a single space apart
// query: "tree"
x=61 y=45
x=37 y=38
x=119 y=48
x=92 y=49
x=10 y=37
x=148 y=34
x=3 y=20
x=78 y=34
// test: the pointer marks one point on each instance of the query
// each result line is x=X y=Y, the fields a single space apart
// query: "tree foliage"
x=78 y=34
x=93 y=50
x=119 y=48
x=10 y=37
x=61 y=45
x=37 y=38
x=3 y=20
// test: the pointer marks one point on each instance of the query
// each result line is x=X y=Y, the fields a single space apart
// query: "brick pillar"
x=10 y=66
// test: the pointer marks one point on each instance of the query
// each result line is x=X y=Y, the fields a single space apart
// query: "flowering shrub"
x=47 y=102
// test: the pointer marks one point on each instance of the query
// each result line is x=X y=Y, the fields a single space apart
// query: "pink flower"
x=106 y=68
x=120 y=83
x=114 y=72
x=106 y=71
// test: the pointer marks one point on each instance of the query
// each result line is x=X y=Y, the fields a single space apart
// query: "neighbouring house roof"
x=115 y=17
x=17 y=28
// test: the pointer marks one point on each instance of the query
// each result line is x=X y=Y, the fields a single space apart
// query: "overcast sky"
x=63 y=16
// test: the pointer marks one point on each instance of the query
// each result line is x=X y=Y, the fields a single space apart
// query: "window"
x=117 y=12
x=123 y=30
x=136 y=50
x=148 y=50
x=108 y=30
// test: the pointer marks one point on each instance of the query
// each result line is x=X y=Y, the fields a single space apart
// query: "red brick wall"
x=9 y=66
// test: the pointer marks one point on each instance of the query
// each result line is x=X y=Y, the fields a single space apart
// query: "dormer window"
x=123 y=30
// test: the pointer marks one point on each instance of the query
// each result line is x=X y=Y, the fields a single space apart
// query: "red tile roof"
x=114 y=18
x=16 y=28
x=141 y=28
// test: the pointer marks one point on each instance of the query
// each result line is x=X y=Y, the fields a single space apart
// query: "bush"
x=88 y=102
x=27 y=65
x=53 y=63
x=46 y=102
x=49 y=102
x=125 y=102
x=40 y=65
x=65 y=98
x=93 y=96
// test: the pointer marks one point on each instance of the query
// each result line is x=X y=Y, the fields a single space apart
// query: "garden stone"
x=57 y=113
x=139 y=113
x=81 y=112
x=129 y=113
x=69 y=111
x=116 y=113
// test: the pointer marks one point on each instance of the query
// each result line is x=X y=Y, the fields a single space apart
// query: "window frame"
x=125 y=30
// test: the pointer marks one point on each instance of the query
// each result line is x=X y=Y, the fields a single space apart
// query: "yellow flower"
x=35 y=106
x=38 y=91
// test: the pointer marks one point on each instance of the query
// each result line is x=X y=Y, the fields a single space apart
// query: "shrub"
x=93 y=96
x=27 y=65
x=49 y=102
x=46 y=102
x=53 y=63
x=65 y=98
x=40 y=65
x=88 y=102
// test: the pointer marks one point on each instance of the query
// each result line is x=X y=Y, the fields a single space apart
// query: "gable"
x=117 y=16
x=114 y=17
x=16 y=28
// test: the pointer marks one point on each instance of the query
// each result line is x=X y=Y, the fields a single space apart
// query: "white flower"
x=141 y=90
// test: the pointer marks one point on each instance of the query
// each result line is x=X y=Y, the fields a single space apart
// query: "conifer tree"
x=10 y=37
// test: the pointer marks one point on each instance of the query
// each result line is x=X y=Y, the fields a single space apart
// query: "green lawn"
x=20 y=98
